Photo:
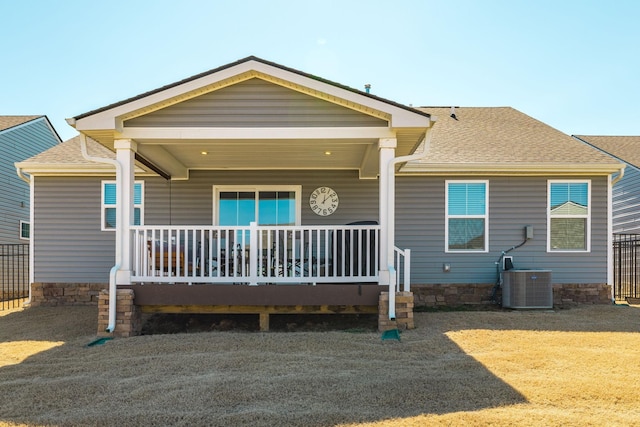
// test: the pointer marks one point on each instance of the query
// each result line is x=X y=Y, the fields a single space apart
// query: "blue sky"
x=572 y=64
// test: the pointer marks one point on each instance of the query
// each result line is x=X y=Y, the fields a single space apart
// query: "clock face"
x=324 y=201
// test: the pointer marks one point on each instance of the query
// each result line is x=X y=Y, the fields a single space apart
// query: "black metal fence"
x=14 y=275
x=626 y=266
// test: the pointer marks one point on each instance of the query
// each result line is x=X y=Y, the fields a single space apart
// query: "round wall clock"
x=324 y=201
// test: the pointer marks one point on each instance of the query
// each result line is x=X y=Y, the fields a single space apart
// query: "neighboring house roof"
x=7 y=122
x=570 y=208
x=625 y=148
x=67 y=157
x=503 y=140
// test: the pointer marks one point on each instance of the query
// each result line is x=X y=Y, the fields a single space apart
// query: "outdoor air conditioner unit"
x=527 y=289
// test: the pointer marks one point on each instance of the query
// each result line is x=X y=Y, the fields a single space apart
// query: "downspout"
x=26 y=179
x=619 y=177
x=23 y=176
x=114 y=270
x=391 y=211
x=610 y=254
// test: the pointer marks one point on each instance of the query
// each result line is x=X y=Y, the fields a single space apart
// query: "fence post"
x=14 y=274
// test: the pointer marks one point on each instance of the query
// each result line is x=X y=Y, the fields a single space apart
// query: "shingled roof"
x=495 y=139
x=66 y=158
x=7 y=122
x=68 y=153
x=625 y=148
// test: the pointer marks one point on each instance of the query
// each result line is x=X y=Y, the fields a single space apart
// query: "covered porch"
x=258 y=117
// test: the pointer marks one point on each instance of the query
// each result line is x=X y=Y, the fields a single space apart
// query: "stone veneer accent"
x=128 y=319
x=453 y=295
x=404 y=312
x=52 y=294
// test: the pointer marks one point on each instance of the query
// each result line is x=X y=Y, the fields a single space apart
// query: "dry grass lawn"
x=575 y=367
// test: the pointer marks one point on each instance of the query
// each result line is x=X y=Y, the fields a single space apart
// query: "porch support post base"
x=264 y=321
x=404 y=312
x=128 y=318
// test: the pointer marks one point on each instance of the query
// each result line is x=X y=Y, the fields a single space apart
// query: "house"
x=254 y=187
x=626 y=191
x=20 y=138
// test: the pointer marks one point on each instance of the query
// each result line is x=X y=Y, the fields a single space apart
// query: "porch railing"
x=258 y=254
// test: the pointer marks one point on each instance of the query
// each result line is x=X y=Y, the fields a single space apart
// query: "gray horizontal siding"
x=513 y=204
x=254 y=103
x=626 y=202
x=70 y=246
x=17 y=144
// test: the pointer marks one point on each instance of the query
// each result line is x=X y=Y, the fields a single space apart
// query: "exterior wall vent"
x=527 y=289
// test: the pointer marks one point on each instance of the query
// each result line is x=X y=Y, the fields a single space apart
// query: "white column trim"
x=387 y=152
x=125 y=154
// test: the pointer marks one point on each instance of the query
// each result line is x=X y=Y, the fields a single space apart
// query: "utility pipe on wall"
x=114 y=270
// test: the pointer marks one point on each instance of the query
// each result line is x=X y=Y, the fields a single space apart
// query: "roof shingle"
x=488 y=136
x=7 y=122
x=626 y=148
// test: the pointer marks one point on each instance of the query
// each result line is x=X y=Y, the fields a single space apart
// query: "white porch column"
x=125 y=154
x=387 y=149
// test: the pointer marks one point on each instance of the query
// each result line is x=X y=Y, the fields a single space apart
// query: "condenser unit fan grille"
x=527 y=289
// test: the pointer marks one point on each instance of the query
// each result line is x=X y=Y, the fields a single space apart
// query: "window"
x=25 y=230
x=467 y=227
x=109 y=204
x=266 y=206
x=569 y=216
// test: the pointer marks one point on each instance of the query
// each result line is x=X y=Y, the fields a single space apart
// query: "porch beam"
x=165 y=161
x=260 y=133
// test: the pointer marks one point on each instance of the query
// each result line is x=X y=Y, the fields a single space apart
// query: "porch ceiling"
x=177 y=156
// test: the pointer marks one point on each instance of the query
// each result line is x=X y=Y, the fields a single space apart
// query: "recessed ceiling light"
x=204 y=153
x=327 y=153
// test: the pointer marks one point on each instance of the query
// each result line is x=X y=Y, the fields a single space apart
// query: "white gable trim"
x=112 y=118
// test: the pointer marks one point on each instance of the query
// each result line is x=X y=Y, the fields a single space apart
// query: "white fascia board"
x=510 y=169
x=400 y=117
x=163 y=133
x=112 y=118
x=83 y=169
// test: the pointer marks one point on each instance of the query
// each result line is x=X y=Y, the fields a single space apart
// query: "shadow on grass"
x=255 y=379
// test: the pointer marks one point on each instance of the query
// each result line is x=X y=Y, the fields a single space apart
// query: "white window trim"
x=103 y=206
x=20 y=230
x=447 y=216
x=587 y=216
x=217 y=189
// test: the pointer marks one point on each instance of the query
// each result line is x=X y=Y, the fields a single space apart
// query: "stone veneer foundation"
x=455 y=295
x=128 y=319
x=404 y=312
x=52 y=294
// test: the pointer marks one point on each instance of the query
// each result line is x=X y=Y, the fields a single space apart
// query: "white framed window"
x=467 y=216
x=569 y=216
x=25 y=230
x=266 y=205
x=109 y=200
